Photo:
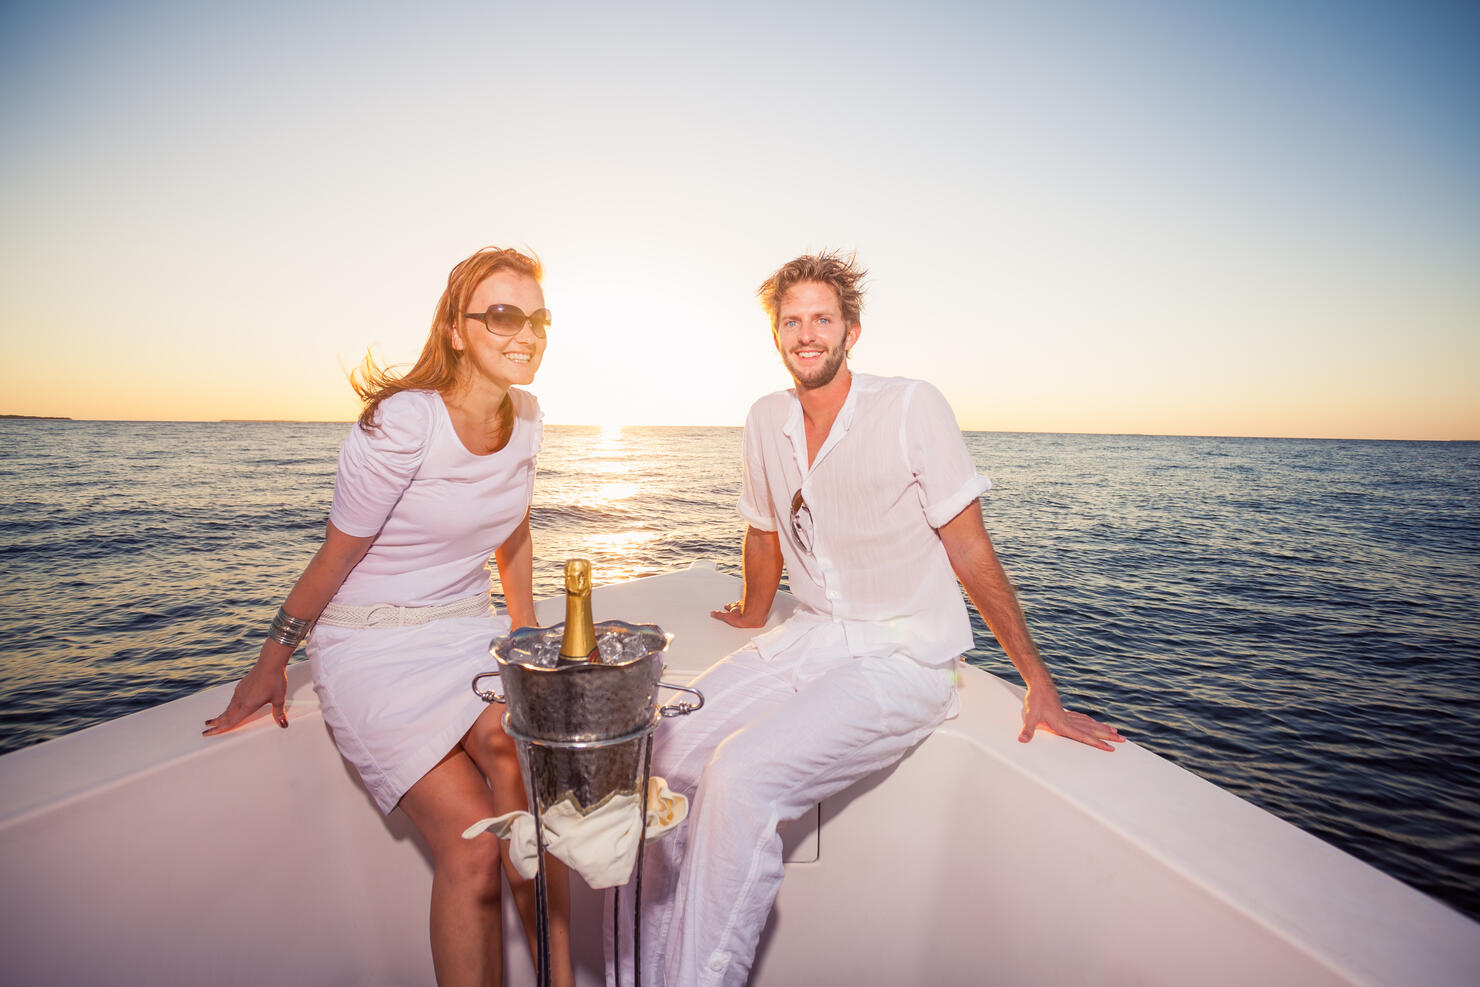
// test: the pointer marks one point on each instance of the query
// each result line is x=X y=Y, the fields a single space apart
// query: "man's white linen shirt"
x=893 y=469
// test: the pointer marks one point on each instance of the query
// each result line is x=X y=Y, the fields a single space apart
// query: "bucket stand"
x=548 y=760
x=531 y=753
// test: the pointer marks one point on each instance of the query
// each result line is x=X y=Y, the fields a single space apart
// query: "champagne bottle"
x=578 y=643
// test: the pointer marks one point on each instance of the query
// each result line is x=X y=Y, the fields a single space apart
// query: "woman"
x=435 y=476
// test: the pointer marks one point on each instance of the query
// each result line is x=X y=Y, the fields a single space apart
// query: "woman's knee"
x=486 y=737
x=472 y=865
x=494 y=753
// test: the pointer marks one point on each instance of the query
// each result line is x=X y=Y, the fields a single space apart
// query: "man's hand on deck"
x=734 y=615
x=1048 y=713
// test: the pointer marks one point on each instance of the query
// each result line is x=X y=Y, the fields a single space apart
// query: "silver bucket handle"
x=488 y=696
x=680 y=709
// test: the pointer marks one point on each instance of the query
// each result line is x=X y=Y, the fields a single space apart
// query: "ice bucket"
x=581 y=728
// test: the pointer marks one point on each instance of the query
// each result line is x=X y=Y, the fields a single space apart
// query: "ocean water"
x=1297 y=621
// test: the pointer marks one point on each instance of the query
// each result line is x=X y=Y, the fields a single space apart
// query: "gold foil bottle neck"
x=578 y=643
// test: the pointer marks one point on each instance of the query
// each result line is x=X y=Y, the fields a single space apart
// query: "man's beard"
x=819 y=376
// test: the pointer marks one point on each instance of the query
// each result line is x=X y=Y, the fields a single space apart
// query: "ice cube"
x=610 y=647
x=635 y=647
x=545 y=653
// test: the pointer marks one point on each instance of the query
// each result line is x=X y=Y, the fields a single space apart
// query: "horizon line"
x=992 y=431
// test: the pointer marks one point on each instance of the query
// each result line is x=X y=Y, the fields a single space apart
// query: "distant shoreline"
x=38 y=418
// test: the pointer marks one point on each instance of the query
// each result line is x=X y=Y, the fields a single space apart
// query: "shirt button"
x=716 y=964
x=833 y=594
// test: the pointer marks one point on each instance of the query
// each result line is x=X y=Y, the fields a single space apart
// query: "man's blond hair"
x=838 y=271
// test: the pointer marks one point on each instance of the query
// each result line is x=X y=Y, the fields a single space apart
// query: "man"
x=863 y=489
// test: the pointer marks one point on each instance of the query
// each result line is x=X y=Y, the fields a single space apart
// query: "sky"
x=1250 y=218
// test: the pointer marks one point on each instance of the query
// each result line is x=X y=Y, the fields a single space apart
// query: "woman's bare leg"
x=467 y=914
x=493 y=751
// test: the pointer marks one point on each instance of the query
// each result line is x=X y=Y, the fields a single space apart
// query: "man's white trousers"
x=774 y=738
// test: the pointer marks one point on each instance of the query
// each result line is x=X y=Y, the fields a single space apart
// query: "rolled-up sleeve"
x=937 y=455
x=755 y=496
x=376 y=466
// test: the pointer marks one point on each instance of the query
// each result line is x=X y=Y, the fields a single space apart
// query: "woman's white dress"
x=399 y=698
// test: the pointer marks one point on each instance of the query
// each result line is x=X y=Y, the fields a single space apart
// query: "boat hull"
x=137 y=852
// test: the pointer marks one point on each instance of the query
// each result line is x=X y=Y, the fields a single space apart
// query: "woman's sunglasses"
x=507 y=320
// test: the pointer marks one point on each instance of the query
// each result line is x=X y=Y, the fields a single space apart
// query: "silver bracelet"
x=287 y=630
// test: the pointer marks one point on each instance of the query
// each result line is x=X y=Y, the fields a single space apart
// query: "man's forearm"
x=987 y=586
x=992 y=594
x=975 y=562
x=762 y=559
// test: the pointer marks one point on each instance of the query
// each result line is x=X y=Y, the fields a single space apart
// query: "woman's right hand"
x=266 y=684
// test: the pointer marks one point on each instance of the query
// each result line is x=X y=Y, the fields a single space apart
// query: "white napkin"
x=600 y=846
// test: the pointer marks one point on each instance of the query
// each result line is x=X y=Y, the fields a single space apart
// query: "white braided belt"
x=390 y=615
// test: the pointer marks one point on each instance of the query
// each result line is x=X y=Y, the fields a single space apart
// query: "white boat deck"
x=138 y=852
